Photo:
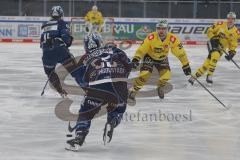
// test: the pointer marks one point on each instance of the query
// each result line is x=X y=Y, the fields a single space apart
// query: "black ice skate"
x=160 y=92
x=209 y=80
x=77 y=142
x=191 y=80
x=131 y=98
x=108 y=132
x=63 y=93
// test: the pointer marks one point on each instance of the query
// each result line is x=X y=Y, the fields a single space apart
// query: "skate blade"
x=73 y=149
x=64 y=96
x=106 y=139
x=209 y=84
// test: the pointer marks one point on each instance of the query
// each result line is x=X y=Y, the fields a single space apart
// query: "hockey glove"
x=187 y=70
x=230 y=55
x=87 y=29
x=135 y=63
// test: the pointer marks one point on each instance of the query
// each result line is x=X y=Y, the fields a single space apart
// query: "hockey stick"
x=231 y=59
x=210 y=93
x=43 y=90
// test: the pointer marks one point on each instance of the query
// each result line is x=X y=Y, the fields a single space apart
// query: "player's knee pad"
x=142 y=79
x=144 y=75
x=165 y=76
x=215 y=56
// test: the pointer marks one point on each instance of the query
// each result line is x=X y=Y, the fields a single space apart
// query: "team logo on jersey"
x=166 y=46
x=172 y=39
x=151 y=37
x=220 y=23
x=238 y=32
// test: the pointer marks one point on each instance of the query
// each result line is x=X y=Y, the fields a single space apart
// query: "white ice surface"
x=29 y=129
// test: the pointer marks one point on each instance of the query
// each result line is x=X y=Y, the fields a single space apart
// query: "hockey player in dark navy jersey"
x=55 y=41
x=104 y=73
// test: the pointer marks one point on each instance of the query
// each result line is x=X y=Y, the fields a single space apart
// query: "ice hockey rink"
x=30 y=129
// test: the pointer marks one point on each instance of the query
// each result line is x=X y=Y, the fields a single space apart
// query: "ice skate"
x=191 y=80
x=76 y=143
x=160 y=92
x=108 y=132
x=209 y=80
x=131 y=97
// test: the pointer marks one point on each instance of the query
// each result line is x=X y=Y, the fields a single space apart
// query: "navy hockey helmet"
x=92 y=41
x=57 y=12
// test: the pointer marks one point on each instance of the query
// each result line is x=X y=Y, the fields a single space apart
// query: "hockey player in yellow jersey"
x=94 y=18
x=222 y=36
x=154 y=53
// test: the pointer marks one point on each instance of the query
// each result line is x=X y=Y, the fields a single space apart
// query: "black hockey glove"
x=230 y=55
x=87 y=29
x=135 y=63
x=187 y=69
x=215 y=42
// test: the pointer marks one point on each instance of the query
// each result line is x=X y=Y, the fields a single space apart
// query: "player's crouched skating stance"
x=154 y=52
x=104 y=71
x=55 y=40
